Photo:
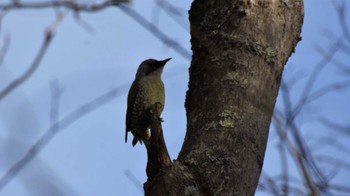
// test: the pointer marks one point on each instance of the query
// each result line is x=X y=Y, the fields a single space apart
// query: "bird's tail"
x=143 y=140
x=135 y=140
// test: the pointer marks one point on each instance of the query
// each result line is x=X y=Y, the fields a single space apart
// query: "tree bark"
x=157 y=152
x=239 y=50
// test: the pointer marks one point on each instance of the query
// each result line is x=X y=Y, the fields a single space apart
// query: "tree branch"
x=54 y=129
x=47 y=40
x=4 y=49
x=65 y=3
x=32 y=68
x=157 y=152
x=156 y=32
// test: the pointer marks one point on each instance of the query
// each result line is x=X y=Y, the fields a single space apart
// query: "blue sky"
x=90 y=156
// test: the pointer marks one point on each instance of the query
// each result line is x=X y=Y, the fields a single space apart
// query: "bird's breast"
x=153 y=89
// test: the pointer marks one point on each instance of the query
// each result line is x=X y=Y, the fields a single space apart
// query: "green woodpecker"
x=146 y=90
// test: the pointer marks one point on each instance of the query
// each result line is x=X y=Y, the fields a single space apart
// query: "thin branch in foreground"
x=54 y=129
x=173 y=12
x=55 y=101
x=341 y=10
x=313 y=77
x=328 y=142
x=340 y=188
x=271 y=185
x=4 y=49
x=47 y=40
x=341 y=164
x=2 y=15
x=343 y=129
x=343 y=68
x=307 y=177
x=73 y=5
x=32 y=68
x=97 y=7
x=338 y=86
x=290 y=123
x=155 y=31
x=300 y=152
x=85 y=25
x=133 y=179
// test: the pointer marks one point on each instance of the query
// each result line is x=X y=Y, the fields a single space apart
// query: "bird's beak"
x=162 y=63
x=165 y=60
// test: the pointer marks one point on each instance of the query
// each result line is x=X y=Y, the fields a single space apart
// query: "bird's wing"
x=136 y=101
x=130 y=107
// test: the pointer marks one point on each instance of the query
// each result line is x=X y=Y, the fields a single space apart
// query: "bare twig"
x=173 y=12
x=329 y=141
x=133 y=179
x=313 y=77
x=54 y=129
x=304 y=150
x=73 y=5
x=316 y=181
x=308 y=179
x=96 y=7
x=336 y=87
x=272 y=185
x=2 y=15
x=47 y=40
x=4 y=48
x=283 y=141
x=341 y=10
x=301 y=151
x=83 y=23
x=344 y=129
x=334 y=161
x=304 y=154
x=284 y=165
x=340 y=188
x=32 y=68
x=55 y=101
x=298 y=156
x=156 y=31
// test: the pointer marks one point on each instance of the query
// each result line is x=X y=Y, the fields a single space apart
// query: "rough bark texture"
x=239 y=50
x=157 y=152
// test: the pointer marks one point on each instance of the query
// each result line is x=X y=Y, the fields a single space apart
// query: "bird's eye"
x=154 y=65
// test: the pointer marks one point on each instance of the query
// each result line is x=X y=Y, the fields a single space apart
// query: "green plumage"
x=143 y=93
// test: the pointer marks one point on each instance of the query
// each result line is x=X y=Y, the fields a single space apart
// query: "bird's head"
x=151 y=67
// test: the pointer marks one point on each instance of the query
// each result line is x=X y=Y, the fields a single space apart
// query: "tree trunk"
x=239 y=50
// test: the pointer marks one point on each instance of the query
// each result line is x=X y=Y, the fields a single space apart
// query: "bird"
x=146 y=90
